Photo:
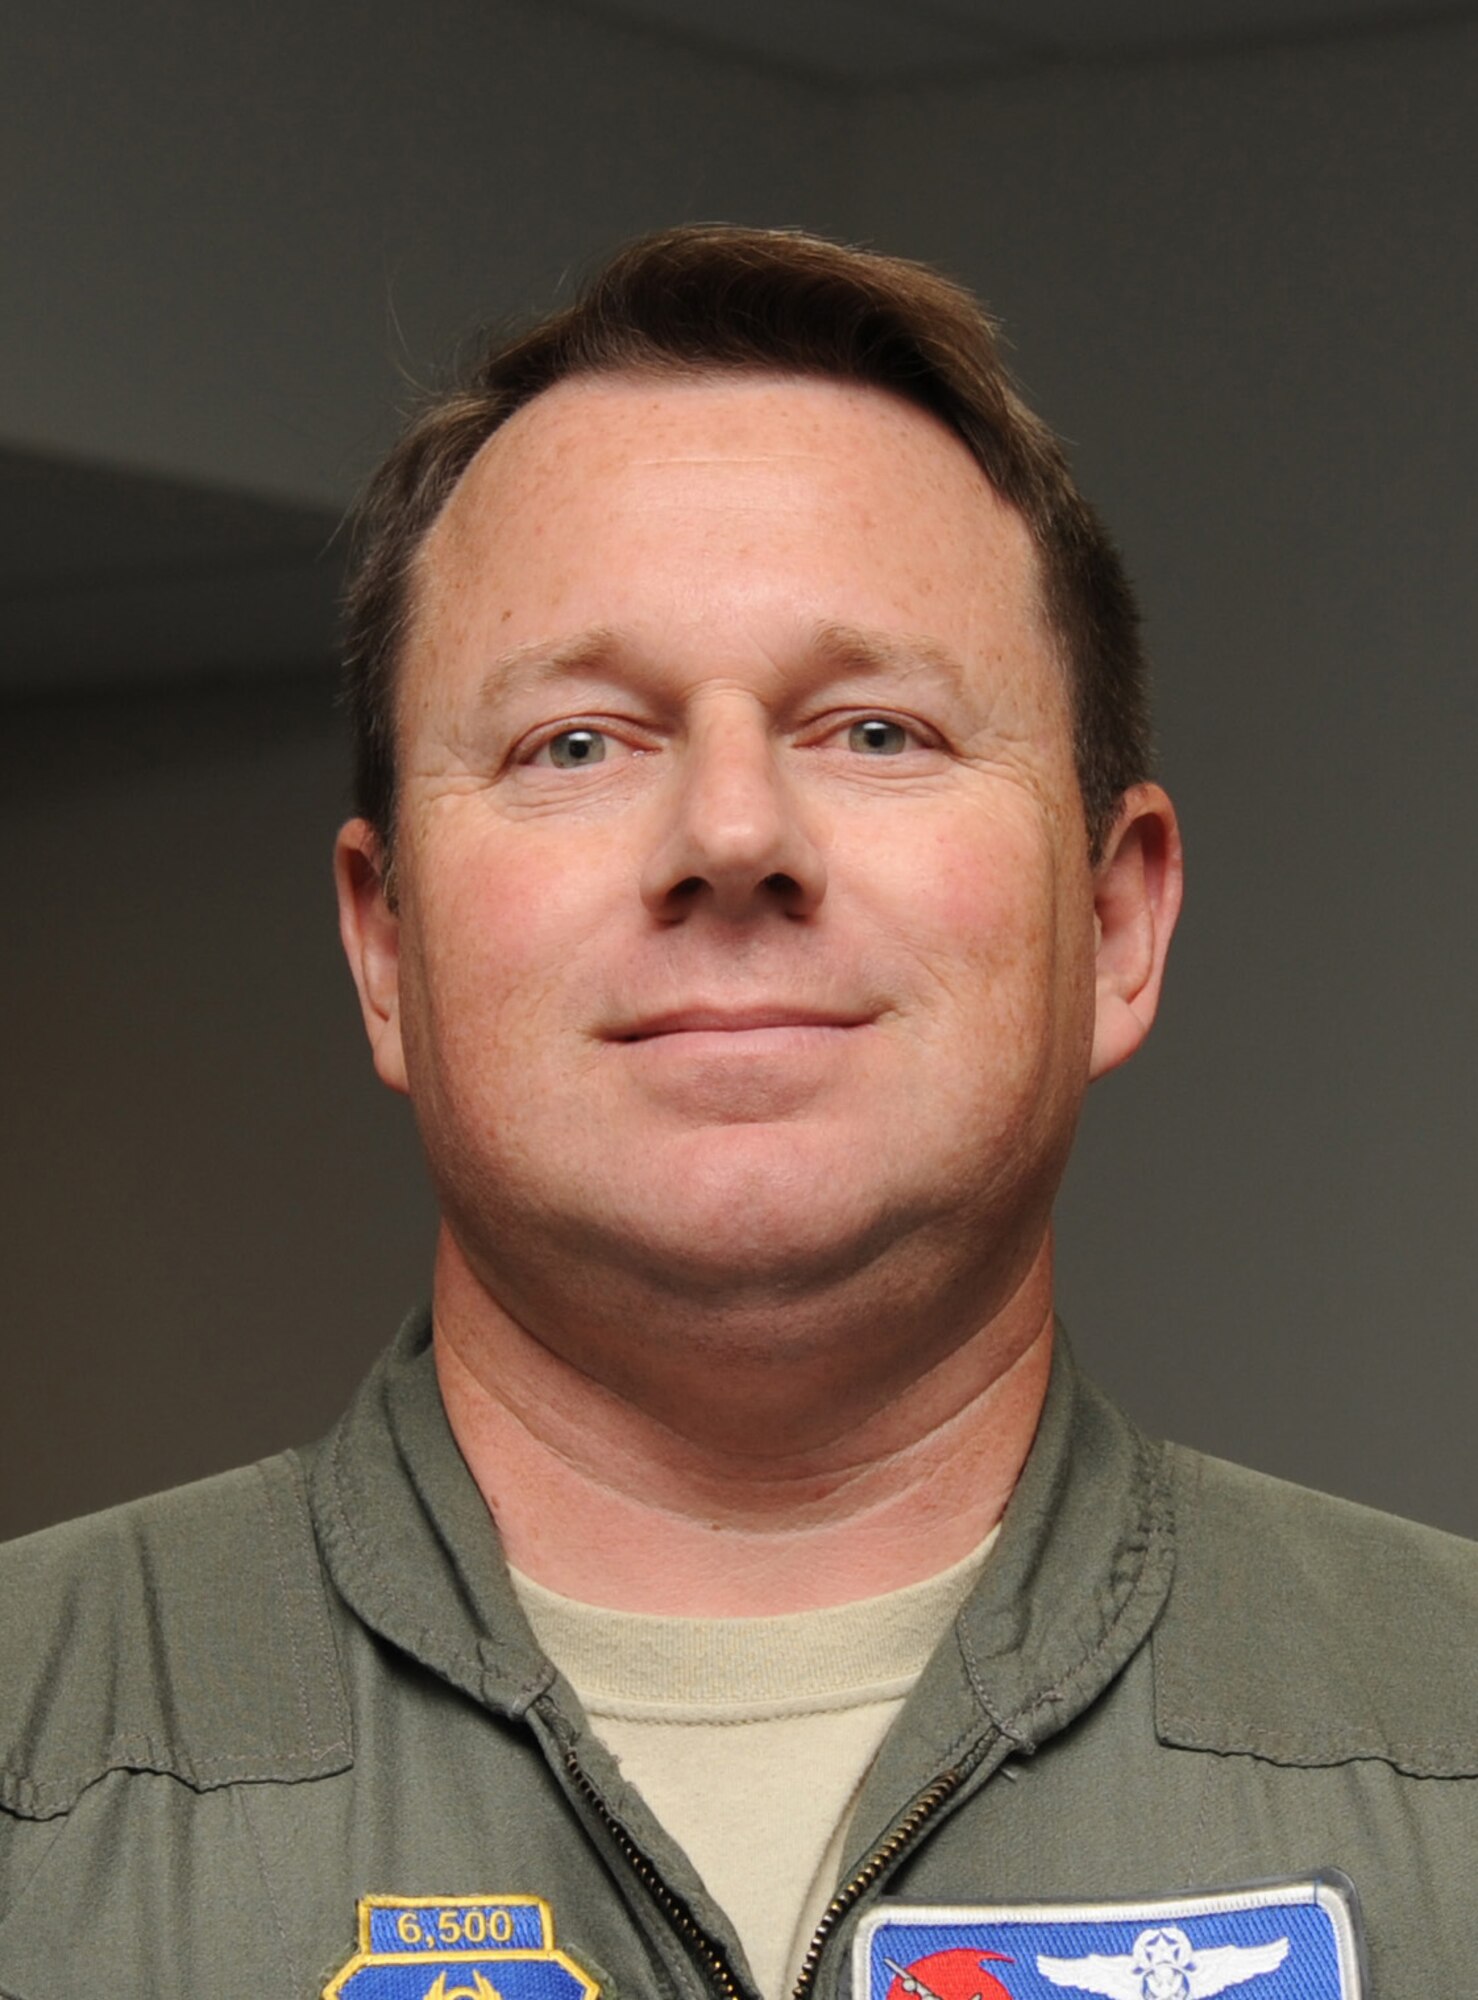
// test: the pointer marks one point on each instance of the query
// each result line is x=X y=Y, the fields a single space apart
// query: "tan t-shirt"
x=750 y=1737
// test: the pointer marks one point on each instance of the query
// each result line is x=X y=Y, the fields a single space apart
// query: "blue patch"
x=1277 y=1941
x=458 y=1948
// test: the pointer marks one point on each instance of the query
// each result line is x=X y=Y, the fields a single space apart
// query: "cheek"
x=996 y=926
x=504 y=930
x=974 y=904
x=978 y=894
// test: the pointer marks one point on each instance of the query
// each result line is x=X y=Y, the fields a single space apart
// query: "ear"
x=1136 y=899
x=370 y=930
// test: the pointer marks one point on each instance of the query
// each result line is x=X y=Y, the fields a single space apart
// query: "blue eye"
x=574 y=748
x=875 y=737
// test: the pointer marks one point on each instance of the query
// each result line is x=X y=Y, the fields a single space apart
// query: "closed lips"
x=731 y=1020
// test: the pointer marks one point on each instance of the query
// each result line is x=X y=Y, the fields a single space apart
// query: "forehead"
x=670 y=505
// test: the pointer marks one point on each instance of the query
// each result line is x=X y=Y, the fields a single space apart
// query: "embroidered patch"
x=458 y=1948
x=1277 y=1941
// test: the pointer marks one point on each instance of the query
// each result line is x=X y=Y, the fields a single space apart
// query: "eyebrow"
x=536 y=662
x=855 y=649
x=829 y=649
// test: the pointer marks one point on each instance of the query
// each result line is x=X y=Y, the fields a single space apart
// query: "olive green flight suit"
x=228 y=1712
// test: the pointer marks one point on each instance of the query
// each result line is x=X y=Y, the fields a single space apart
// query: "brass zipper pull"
x=876 y=1863
x=703 y=1947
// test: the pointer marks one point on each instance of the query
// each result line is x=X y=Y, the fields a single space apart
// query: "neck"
x=604 y=1495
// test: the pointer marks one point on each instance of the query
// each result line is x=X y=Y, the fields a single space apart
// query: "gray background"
x=1238 y=276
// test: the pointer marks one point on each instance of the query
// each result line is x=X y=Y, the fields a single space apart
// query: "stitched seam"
x=287 y=1958
x=133 y=1753
x=969 y=1739
x=977 y=1682
x=1151 y=1536
x=1433 y=1760
x=428 y=1646
x=127 y=1750
x=328 y=1655
x=1147 y=1488
x=1202 y=1817
x=299 y=1679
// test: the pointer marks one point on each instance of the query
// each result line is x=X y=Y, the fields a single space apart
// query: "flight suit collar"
x=1071 y=1590
x=1082 y=1568
x=408 y=1539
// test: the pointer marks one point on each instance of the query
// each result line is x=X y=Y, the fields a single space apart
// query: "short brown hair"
x=721 y=298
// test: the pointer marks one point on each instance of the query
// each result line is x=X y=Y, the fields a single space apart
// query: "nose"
x=734 y=840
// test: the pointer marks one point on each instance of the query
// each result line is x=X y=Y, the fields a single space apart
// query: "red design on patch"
x=948 y=1975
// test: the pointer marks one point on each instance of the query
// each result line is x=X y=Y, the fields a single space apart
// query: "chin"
x=748 y=1226
x=742 y=1266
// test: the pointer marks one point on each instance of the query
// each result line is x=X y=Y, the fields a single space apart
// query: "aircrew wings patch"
x=1277 y=1941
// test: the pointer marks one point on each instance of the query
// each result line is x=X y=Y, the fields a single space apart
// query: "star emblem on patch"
x=1165 y=1965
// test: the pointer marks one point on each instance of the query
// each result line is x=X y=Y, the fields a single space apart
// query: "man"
x=731 y=1587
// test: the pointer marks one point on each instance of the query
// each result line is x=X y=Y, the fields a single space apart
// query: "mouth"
x=753 y=1020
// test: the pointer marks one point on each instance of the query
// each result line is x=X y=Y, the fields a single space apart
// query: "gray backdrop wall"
x=1246 y=290
x=1242 y=287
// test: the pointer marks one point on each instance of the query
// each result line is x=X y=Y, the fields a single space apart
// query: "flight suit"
x=229 y=1712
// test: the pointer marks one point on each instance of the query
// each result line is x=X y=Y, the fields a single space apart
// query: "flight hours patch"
x=1277 y=1941
x=458 y=1948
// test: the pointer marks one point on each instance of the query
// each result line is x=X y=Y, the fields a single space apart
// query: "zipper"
x=877 y=1862
x=671 y=1906
x=692 y=1932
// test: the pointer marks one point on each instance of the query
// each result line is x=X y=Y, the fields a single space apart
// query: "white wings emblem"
x=1165 y=1965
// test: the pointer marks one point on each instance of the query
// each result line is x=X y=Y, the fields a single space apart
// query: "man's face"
x=745 y=926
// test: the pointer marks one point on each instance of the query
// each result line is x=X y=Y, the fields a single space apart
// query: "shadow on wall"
x=109 y=577
x=221 y=1215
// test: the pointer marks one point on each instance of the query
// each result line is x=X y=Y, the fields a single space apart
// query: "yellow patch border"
x=434 y=1953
